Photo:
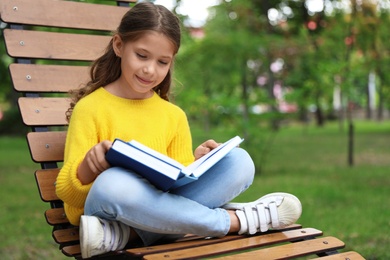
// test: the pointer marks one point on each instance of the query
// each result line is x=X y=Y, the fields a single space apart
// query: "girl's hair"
x=141 y=18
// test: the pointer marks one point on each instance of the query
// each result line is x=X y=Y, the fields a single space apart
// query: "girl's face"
x=144 y=64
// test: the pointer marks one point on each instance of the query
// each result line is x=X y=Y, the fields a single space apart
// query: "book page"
x=201 y=165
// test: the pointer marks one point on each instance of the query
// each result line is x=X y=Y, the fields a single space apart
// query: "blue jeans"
x=122 y=195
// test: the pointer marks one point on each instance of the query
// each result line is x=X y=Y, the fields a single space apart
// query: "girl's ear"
x=117 y=45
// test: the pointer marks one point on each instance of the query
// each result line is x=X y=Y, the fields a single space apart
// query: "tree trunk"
x=245 y=112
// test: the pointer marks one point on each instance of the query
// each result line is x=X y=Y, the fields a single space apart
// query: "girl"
x=127 y=98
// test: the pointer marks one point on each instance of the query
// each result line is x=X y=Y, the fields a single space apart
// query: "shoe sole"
x=83 y=232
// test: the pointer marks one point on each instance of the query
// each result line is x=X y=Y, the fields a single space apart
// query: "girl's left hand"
x=204 y=148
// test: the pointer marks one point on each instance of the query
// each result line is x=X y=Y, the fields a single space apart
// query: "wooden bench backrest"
x=52 y=43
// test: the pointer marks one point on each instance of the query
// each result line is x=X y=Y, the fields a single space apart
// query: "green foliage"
x=5 y=81
x=11 y=123
x=340 y=50
x=220 y=71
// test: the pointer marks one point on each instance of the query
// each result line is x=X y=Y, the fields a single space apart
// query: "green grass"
x=24 y=233
x=347 y=202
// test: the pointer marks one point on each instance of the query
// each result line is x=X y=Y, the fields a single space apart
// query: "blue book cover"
x=161 y=170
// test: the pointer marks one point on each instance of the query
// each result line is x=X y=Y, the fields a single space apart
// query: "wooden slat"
x=47 y=146
x=74 y=250
x=190 y=242
x=47 y=78
x=50 y=45
x=46 y=184
x=240 y=244
x=66 y=235
x=56 y=216
x=142 y=251
x=43 y=111
x=64 y=14
x=297 y=249
x=351 y=255
x=71 y=251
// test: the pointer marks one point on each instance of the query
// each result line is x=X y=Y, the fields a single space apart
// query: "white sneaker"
x=274 y=210
x=98 y=236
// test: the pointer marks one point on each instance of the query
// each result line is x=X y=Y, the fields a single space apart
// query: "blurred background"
x=306 y=83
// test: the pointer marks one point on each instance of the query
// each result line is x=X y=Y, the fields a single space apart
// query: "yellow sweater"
x=103 y=116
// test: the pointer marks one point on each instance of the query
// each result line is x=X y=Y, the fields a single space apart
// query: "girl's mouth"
x=144 y=81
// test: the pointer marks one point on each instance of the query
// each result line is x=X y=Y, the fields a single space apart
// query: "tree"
x=372 y=21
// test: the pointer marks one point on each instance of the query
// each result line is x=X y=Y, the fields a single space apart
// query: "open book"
x=162 y=171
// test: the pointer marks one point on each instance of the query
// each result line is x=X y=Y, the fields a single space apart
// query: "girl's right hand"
x=94 y=162
x=204 y=148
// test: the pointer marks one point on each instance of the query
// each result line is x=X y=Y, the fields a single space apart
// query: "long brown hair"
x=141 y=18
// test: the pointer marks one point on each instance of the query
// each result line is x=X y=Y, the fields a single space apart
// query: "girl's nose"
x=148 y=68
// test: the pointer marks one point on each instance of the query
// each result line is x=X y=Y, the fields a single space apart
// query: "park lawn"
x=350 y=203
x=24 y=233
x=347 y=202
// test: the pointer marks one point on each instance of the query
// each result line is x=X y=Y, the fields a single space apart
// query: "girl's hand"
x=94 y=162
x=204 y=148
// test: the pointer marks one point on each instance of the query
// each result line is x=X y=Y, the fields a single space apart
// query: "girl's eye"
x=163 y=62
x=141 y=56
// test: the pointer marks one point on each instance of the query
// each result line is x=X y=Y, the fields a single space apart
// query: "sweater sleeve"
x=180 y=148
x=81 y=136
